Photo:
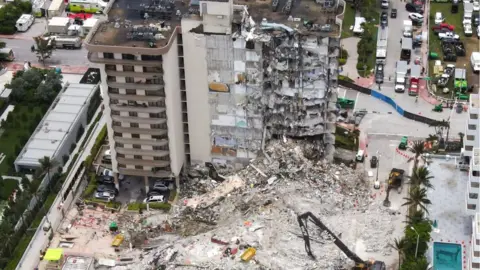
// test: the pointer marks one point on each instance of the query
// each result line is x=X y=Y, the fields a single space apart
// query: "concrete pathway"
x=350 y=68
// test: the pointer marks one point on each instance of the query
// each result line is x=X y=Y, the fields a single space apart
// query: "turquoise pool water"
x=447 y=256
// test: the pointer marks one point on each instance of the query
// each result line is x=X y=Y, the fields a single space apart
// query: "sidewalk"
x=16 y=66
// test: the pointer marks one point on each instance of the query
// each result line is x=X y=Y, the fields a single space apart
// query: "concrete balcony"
x=143 y=162
x=142 y=86
x=93 y=57
x=140 y=120
x=148 y=75
x=472 y=121
x=136 y=97
x=140 y=130
x=161 y=174
x=152 y=142
x=140 y=109
x=142 y=152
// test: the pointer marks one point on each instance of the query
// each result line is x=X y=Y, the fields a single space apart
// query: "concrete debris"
x=257 y=208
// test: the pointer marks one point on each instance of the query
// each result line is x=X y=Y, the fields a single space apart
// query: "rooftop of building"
x=56 y=124
x=127 y=26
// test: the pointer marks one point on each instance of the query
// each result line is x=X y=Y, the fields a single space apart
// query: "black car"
x=476 y=19
x=379 y=74
x=384 y=19
x=393 y=13
x=373 y=162
x=107 y=188
x=413 y=8
x=106 y=180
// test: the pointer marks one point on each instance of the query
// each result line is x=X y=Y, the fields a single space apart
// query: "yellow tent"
x=53 y=254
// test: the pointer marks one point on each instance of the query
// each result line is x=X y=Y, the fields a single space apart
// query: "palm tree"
x=421 y=177
x=399 y=246
x=46 y=165
x=461 y=135
x=418 y=148
x=418 y=198
x=415 y=217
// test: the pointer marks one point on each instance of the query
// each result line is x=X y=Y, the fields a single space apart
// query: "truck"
x=407 y=28
x=414 y=80
x=406 y=52
x=67 y=42
x=24 y=22
x=475 y=61
x=6 y=54
x=395 y=179
x=460 y=82
x=87 y=6
x=400 y=75
x=382 y=42
x=59 y=25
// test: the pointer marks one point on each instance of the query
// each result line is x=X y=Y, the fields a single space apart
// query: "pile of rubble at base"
x=258 y=208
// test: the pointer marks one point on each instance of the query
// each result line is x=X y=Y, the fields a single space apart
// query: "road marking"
x=356 y=100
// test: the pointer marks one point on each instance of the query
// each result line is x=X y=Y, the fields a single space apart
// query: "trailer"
x=407 y=45
x=67 y=42
x=400 y=76
x=56 y=8
x=59 y=25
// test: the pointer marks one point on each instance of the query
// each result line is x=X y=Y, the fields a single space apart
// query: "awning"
x=53 y=254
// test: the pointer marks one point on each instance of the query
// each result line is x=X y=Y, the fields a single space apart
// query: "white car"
x=416 y=17
x=107 y=196
x=439 y=18
x=154 y=198
x=448 y=35
x=478 y=31
x=385 y=4
x=467 y=29
x=476 y=6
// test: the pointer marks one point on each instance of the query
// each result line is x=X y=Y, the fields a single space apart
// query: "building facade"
x=216 y=80
x=471 y=154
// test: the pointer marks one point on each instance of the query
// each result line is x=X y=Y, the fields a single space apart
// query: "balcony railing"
x=147 y=75
x=141 y=152
x=143 y=162
x=143 y=86
x=93 y=57
x=140 y=109
x=158 y=173
x=135 y=97
x=153 y=142
x=140 y=130
x=140 y=120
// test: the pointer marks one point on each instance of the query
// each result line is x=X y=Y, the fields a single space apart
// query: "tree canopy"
x=35 y=86
x=10 y=13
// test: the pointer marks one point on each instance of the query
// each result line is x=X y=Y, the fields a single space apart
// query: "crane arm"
x=302 y=221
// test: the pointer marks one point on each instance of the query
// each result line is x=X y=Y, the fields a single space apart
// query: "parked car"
x=107 y=196
x=467 y=30
x=373 y=162
x=415 y=17
x=393 y=13
x=439 y=18
x=476 y=19
x=476 y=5
x=161 y=186
x=385 y=4
x=478 y=32
x=384 y=18
x=443 y=27
x=106 y=180
x=379 y=74
x=413 y=8
x=107 y=188
x=448 y=36
x=154 y=198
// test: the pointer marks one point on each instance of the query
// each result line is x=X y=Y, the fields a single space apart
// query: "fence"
x=382 y=97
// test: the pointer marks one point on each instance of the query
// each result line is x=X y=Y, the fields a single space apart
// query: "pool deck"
x=448 y=207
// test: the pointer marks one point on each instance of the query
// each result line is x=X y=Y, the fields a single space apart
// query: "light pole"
x=418 y=238
x=378 y=165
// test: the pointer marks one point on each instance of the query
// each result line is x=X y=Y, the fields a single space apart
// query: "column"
x=115 y=180
x=147 y=186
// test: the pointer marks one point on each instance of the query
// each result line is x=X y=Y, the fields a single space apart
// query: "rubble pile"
x=258 y=207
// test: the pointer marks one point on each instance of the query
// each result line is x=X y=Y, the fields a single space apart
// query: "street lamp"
x=418 y=238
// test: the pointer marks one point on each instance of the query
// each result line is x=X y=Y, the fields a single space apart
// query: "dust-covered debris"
x=257 y=207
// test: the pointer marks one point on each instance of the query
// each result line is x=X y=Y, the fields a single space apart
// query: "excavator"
x=359 y=263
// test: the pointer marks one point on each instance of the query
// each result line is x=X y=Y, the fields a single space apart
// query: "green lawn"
x=348 y=21
x=41 y=213
x=17 y=133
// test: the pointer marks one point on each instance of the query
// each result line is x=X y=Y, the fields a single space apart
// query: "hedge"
x=113 y=205
x=158 y=205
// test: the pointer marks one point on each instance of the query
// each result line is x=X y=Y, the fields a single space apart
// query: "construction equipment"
x=395 y=179
x=359 y=263
x=345 y=103
x=438 y=108
x=403 y=143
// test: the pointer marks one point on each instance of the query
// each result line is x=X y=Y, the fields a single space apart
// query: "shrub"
x=89 y=190
x=345 y=78
x=344 y=54
x=65 y=159
x=72 y=147
x=342 y=61
x=80 y=131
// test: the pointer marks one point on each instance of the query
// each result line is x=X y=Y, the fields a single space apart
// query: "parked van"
x=475 y=61
x=24 y=22
x=6 y=54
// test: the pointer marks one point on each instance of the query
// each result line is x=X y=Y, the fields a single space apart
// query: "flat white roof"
x=56 y=124
x=59 y=21
x=90 y=22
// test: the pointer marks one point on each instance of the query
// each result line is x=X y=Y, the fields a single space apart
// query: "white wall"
x=173 y=104
x=197 y=92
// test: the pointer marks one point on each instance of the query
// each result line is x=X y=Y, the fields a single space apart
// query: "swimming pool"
x=447 y=256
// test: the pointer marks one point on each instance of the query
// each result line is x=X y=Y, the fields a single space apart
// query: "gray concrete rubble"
x=213 y=224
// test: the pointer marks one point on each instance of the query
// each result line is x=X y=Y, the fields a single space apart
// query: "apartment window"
x=128 y=56
x=157 y=137
x=473 y=116
x=152 y=69
x=120 y=145
x=152 y=93
x=158 y=126
x=473 y=195
x=131 y=91
x=129 y=80
x=473 y=207
x=122 y=166
x=137 y=157
x=133 y=114
x=154 y=115
x=156 y=103
x=139 y=167
x=112 y=90
x=151 y=57
x=165 y=158
x=476 y=253
x=115 y=113
x=121 y=155
x=472 y=127
x=116 y=123
x=134 y=125
x=157 y=147
x=474 y=184
x=111 y=67
x=477 y=242
x=113 y=101
x=469 y=147
x=117 y=134
x=476 y=265
x=476 y=173
x=108 y=55
x=137 y=146
x=470 y=138
x=136 y=136
x=128 y=68
x=153 y=81
x=111 y=79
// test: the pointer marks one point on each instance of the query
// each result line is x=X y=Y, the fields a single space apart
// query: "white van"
x=24 y=22
x=360 y=156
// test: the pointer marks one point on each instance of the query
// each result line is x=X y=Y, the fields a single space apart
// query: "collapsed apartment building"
x=215 y=79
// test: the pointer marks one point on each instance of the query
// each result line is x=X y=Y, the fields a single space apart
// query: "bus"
x=87 y=6
x=6 y=54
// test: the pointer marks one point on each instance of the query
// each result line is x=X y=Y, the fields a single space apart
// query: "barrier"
x=386 y=99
